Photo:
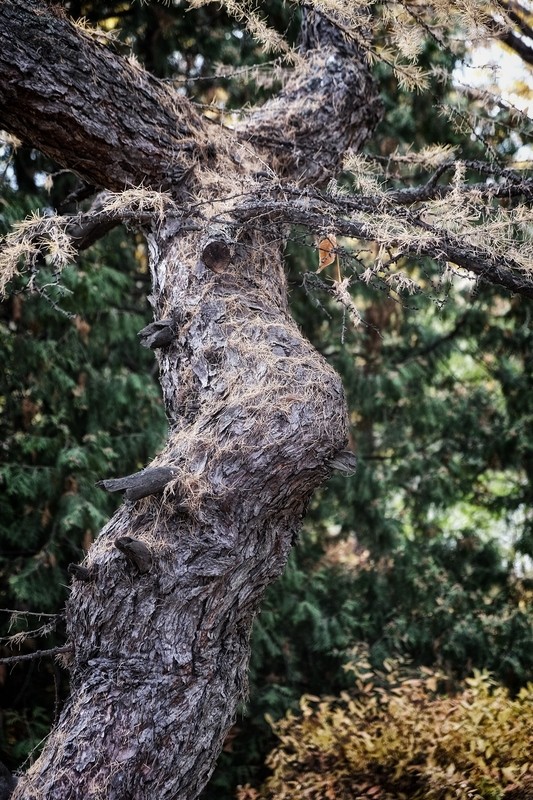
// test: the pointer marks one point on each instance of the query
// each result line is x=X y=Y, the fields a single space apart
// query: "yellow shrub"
x=393 y=737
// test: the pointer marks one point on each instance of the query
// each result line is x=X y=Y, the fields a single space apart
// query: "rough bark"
x=107 y=119
x=326 y=108
x=160 y=641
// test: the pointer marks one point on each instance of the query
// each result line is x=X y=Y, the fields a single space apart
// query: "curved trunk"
x=160 y=655
x=160 y=614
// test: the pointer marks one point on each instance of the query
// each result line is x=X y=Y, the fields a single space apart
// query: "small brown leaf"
x=46 y=516
x=29 y=411
x=70 y=485
x=326 y=251
x=82 y=327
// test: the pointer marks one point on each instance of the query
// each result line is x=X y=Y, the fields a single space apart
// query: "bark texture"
x=160 y=629
x=327 y=107
x=104 y=117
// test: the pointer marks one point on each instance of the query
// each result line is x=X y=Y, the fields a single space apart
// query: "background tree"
x=381 y=530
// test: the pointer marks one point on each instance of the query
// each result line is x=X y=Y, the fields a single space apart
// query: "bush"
x=395 y=737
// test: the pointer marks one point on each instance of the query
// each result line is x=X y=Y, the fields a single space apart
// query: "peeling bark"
x=160 y=612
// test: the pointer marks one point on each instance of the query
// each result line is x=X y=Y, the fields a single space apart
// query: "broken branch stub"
x=141 y=484
x=157 y=334
x=80 y=573
x=136 y=552
x=345 y=462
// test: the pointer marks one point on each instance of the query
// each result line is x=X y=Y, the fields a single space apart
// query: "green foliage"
x=394 y=737
x=77 y=403
x=449 y=603
x=442 y=444
x=25 y=731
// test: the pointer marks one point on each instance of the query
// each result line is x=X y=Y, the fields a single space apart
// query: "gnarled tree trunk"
x=159 y=621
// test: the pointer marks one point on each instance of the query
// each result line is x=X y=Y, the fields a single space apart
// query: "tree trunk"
x=160 y=623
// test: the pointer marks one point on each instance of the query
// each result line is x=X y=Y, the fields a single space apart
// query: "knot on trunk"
x=216 y=255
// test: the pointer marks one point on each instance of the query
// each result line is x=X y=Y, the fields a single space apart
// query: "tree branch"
x=330 y=103
x=517 y=44
x=432 y=191
x=90 y=110
x=61 y=237
x=503 y=30
x=52 y=651
x=517 y=13
x=439 y=244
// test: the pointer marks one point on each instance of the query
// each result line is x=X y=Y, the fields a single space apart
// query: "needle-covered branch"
x=58 y=239
x=374 y=219
x=506 y=189
x=518 y=33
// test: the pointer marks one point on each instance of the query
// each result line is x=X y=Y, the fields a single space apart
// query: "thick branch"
x=518 y=15
x=518 y=44
x=330 y=104
x=91 y=111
